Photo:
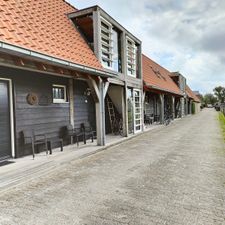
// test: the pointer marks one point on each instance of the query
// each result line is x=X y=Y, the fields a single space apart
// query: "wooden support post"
x=190 y=106
x=181 y=107
x=126 y=129
x=123 y=96
x=97 y=31
x=173 y=107
x=186 y=109
x=100 y=90
x=143 y=106
x=162 y=116
x=124 y=71
x=71 y=101
x=106 y=87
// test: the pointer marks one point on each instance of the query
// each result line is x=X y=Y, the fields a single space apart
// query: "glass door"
x=137 y=111
x=130 y=109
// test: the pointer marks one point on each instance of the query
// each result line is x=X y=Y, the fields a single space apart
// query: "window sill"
x=60 y=102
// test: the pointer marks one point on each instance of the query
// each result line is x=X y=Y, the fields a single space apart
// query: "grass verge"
x=222 y=123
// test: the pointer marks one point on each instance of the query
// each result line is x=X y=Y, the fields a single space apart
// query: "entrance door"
x=130 y=110
x=5 y=130
x=137 y=111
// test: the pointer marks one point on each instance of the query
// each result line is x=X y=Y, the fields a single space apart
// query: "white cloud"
x=186 y=36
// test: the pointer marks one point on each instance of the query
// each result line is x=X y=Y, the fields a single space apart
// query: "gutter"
x=16 y=50
x=161 y=89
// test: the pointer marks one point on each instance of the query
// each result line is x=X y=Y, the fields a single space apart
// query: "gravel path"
x=174 y=175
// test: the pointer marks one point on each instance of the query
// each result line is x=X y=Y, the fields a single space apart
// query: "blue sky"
x=186 y=36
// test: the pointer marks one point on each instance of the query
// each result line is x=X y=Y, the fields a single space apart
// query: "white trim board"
x=12 y=128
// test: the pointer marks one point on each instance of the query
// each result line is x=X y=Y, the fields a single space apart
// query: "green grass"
x=222 y=123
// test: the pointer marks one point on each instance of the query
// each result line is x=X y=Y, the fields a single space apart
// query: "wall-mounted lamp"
x=87 y=92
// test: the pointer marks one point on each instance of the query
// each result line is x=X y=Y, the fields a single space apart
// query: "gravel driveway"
x=174 y=175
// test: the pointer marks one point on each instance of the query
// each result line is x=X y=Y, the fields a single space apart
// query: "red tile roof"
x=43 y=26
x=157 y=77
x=191 y=94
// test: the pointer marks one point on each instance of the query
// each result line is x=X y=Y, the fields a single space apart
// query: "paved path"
x=174 y=175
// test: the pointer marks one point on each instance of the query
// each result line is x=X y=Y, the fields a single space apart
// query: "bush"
x=193 y=108
x=222 y=123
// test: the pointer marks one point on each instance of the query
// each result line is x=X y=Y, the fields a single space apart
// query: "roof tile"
x=43 y=26
x=158 y=77
x=191 y=94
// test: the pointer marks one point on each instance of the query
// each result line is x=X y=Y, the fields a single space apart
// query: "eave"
x=90 y=10
x=33 y=55
x=161 y=89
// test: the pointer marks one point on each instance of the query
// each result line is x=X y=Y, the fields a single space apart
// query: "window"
x=115 y=45
x=59 y=93
x=131 y=57
x=109 y=46
x=137 y=111
x=134 y=110
x=106 y=43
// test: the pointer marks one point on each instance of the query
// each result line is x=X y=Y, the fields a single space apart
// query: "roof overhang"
x=90 y=10
x=161 y=89
x=33 y=55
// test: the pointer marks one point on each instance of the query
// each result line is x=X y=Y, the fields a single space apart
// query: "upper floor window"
x=59 y=93
x=131 y=57
x=109 y=46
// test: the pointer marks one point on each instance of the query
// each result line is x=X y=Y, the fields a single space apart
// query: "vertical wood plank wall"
x=46 y=117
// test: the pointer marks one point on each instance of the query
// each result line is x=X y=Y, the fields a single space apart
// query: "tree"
x=209 y=99
x=201 y=97
x=220 y=93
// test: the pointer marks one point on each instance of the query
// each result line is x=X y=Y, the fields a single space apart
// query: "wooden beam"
x=106 y=87
x=97 y=31
x=93 y=85
x=173 y=107
x=71 y=101
x=162 y=116
x=100 y=115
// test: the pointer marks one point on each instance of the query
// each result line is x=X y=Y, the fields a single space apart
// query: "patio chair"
x=54 y=140
x=148 y=119
x=30 y=137
x=156 y=118
x=75 y=133
x=88 y=131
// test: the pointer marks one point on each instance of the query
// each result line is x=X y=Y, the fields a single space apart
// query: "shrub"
x=193 y=108
x=222 y=123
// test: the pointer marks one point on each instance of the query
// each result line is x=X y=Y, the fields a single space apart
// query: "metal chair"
x=75 y=133
x=87 y=131
x=35 y=140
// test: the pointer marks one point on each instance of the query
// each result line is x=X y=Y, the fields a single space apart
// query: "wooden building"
x=194 y=101
x=49 y=75
x=162 y=95
x=58 y=65
x=119 y=52
x=62 y=66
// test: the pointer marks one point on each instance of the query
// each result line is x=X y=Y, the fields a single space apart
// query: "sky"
x=185 y=36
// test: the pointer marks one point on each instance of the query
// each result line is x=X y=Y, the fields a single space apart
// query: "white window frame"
x=65 y=94
x=130 y=58
x=11 y=109
x=140 y=113
x=110 y=45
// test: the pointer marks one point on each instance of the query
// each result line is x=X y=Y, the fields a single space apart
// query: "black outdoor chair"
x=75 y=133
x=156 y=118
x=88 y=132
x=30 y=137
x=148 y=119
x=54 y=140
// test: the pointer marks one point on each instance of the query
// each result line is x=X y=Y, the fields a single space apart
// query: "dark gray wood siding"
x=45 y=117
x=84 y=106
